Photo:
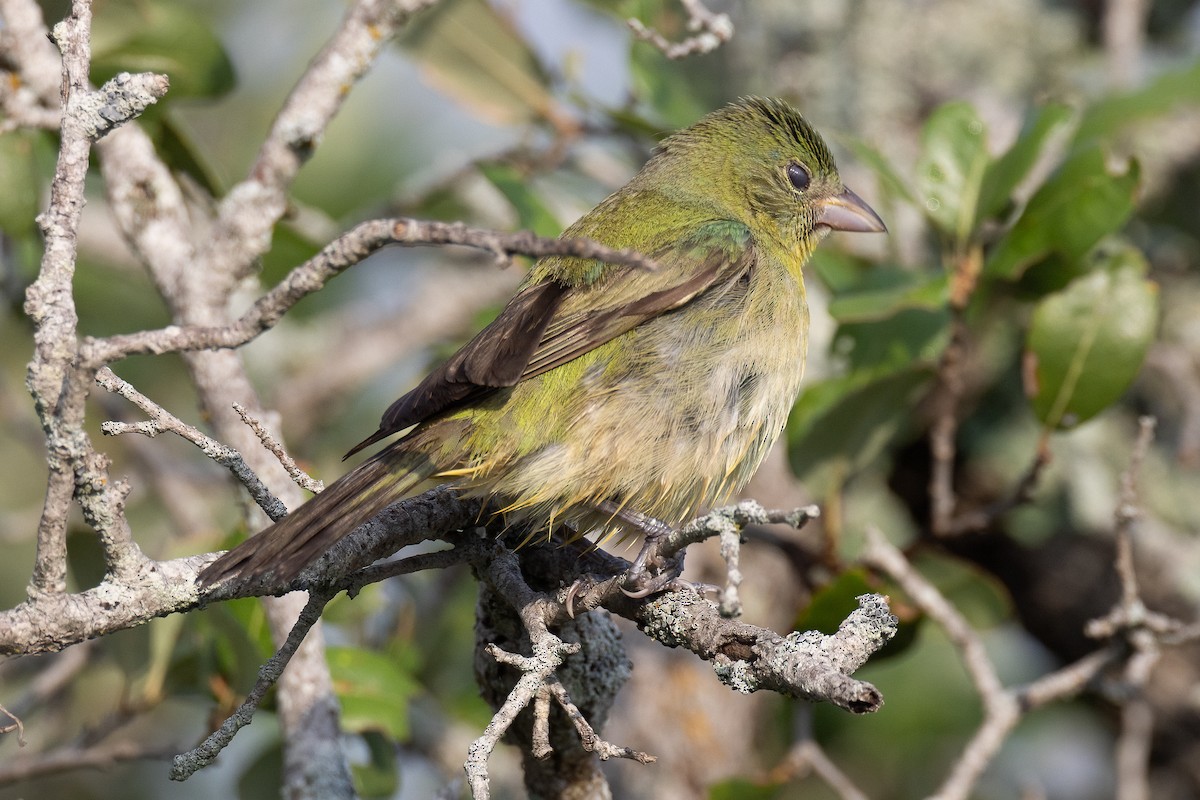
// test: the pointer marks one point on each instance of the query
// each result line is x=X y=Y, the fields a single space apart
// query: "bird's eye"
x=798 y=176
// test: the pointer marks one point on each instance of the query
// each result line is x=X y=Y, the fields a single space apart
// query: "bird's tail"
x=292 y=543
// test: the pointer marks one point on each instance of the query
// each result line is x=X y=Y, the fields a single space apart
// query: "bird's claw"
x=669 y=583
x=582 y=585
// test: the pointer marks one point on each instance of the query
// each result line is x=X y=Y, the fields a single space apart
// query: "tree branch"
x=347 y=250
x=709 y=31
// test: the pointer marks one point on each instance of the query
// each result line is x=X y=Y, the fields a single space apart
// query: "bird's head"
x=759 y=162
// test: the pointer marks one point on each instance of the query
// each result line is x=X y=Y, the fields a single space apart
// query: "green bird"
x=614 y=399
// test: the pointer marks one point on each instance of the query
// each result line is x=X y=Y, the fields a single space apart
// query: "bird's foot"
x=651 y=574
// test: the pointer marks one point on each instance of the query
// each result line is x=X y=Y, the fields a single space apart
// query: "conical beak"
x=849 y=212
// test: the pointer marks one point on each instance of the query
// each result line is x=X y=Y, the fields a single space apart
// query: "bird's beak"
x=849 y=212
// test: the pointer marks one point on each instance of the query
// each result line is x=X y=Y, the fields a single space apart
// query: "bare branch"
x=1129 y=512
x=548 y=654
x=15 y=725
x=587 y=735
x=59 y=387
x=299 y=476
x=709 y=31
x=186 y=764
x=881 y=554
x=162 y=420
x=344 y=252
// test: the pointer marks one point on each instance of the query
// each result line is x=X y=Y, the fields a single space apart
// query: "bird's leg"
x=650 y=573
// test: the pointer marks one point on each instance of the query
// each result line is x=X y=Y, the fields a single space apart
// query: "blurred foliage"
x=1032 y=212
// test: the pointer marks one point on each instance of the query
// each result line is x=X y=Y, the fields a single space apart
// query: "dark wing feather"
x=495 y=358
x=570 y=336
x=539 y=330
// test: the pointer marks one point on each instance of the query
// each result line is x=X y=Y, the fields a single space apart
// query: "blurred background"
x=1047 y=150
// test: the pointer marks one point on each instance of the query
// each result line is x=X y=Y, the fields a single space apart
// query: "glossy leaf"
x=1084 y=201
x=1087 y=342
x=951 y=168
x=920 y=292
x=374 y=690
x=473 y=53
x=1005 y=173
x=161 y=37
x=910 y=338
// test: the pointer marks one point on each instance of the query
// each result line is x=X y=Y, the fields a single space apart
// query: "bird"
x=613 y=399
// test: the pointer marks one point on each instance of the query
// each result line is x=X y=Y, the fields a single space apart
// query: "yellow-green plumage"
x=600 y=386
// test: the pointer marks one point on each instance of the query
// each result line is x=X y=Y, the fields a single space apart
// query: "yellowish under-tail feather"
x=292 y=543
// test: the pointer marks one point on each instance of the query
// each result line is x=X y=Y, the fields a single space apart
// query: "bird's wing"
x=550 y=323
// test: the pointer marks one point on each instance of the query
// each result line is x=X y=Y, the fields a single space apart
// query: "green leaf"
x=473 y=53
x=1084 y=201
x=921 y=291
x=1170 y=91
x=1005 y=173
x=909 y=338
x=165 y=38
x=374 y=690
x=532 y=213
x=951 y=167
x=1087 y=342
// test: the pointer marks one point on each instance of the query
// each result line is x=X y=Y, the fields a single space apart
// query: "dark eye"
x=798 y=176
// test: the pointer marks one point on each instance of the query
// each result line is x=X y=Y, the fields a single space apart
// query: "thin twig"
x=942 y=433
x=185 y=764
x=162 y=421
x=438 y=559
x=299 y=476
x=587 y=734
x=15 y=725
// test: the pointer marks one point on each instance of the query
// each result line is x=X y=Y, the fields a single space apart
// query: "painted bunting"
x=619 y=399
